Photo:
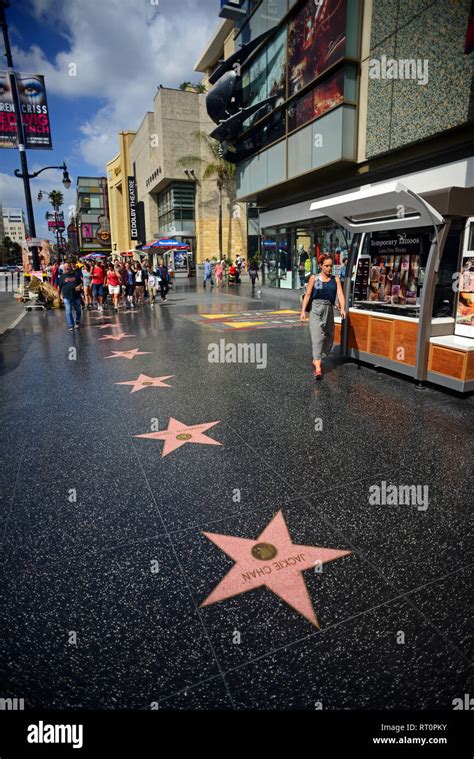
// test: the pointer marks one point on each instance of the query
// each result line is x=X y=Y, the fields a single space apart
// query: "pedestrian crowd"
x=93 y=284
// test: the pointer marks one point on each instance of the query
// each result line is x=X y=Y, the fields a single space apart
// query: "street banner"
x=34 y=110
x=132 y=207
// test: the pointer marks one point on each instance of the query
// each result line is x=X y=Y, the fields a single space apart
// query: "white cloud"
x=120 y=51
x=12 y=196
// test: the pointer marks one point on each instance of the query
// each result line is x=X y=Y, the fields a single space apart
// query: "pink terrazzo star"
x=107 y=326
x=118 y=337
x=101 y=317
x=128 y=354
x=143 y=381
x=271 y=560
x=179 y=434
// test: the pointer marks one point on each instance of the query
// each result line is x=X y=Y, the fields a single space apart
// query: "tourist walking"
x=152 y=285
x=98 y=280
x=163 y=281
x=129 y=277
x=253 y=272
x=87 y=282
x=218 y=272
x=208 y=273
x=113 y=283
x=139 y=284
x=320 y=299
x=70 y=285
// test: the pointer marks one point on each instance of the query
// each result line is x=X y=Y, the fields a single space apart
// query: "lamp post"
x=56 y=208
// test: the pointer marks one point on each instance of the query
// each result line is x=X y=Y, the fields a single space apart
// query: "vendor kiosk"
x=411 y=294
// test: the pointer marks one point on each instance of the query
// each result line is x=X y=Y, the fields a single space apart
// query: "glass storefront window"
x=290 y=253
x=390 y=270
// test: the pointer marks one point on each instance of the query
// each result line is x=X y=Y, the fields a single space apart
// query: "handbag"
x=310 y=302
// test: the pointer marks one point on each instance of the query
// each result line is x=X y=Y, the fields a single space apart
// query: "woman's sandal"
x=317 y=374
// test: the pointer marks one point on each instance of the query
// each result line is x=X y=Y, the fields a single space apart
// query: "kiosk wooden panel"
x=358 y=331
x=404 y=336
x=380 y=336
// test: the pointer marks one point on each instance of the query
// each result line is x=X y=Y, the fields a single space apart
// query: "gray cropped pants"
x=321 y=327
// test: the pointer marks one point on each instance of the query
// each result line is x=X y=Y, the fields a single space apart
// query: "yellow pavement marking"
x=243 y=324
x=284 y=311
x=218 y=316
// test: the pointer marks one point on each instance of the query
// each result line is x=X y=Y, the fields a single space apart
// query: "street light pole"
x=21 y=134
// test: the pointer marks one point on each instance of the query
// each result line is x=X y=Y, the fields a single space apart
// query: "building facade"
x=121 y=191
x=14 y=227
x=353 y=93
x=169 y=156
x=93 y=225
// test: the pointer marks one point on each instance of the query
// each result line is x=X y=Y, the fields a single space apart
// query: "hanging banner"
x=34 y=110
x=132 y=207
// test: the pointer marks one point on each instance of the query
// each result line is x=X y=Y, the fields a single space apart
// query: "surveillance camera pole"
x=21 y=134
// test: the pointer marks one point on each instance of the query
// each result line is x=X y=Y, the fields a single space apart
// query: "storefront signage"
x=395 y=243
x=132 y=206
x=34 y=112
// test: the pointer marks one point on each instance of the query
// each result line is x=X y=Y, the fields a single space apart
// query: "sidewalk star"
x=179 y=434
x=271 y=560
x=128 y=354
x=143 y=381
x=107 y=326
x=118 y=337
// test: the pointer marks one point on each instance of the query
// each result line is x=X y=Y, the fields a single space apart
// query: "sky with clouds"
x=121 y=51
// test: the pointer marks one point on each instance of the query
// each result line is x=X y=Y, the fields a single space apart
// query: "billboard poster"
x=8 y=133
x=465 y=306
x=34 y=112
x=132 y=208
x=86 y=232
x=317 y=102
x=316 y=40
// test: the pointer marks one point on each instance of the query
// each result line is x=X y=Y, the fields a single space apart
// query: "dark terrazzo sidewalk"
x=102 y=537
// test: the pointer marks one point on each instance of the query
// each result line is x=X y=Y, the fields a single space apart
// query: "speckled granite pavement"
x=105 y=564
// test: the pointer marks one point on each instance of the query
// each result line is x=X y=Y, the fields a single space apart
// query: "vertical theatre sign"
x=132 y=206
x=34 y=112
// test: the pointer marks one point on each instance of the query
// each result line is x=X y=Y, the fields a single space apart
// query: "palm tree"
x=223 y=171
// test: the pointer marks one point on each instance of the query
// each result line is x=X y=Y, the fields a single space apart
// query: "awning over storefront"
x=374 y=208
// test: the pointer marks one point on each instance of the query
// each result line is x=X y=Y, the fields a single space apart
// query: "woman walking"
x=98 y=279
x=253 y=272
x=139 y=284
x=129 y=282
x=163 y=280
x=218 y=273
x=87 y=282
x=113 y=283
x=321 y=297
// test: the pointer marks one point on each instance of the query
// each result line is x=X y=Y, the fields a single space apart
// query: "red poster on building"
x=34 y=110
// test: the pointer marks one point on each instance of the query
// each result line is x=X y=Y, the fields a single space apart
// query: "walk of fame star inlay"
x=179 y=433
x=274 y=561
x=107 y=326
x=128 y=354
x=117 y=338
x=144 y=381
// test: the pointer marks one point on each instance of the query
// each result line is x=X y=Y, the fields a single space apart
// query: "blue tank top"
x=325 y=290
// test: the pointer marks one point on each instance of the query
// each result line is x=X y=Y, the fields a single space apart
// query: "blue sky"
x=121 y=50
